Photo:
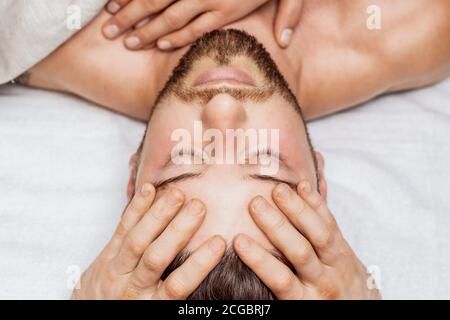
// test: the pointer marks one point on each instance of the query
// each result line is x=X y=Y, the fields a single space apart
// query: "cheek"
x=166 y=121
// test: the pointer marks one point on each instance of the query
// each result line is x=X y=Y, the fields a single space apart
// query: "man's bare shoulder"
x=367 y=48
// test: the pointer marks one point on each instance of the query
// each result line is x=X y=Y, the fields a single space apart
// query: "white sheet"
x=32 y=29
x=63 y=171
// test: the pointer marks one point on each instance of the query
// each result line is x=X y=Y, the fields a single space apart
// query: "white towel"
x=64 y=169
x=31 y=29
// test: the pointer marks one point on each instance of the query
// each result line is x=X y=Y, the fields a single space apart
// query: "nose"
x=223 y=112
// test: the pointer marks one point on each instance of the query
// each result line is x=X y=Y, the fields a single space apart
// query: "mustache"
x=257 y=94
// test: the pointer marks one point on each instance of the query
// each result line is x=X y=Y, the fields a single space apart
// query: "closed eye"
x=261 y=177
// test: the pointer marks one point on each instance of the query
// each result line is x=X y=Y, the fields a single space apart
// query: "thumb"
x=287 y=18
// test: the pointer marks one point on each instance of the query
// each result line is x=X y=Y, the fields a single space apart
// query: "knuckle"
x=279 y=223
x=123 y=19
x=175 y=229
x=133 y=246
x=149 y=5
x=110 y=274
x=284 y=282
x=175 y=289
x=172 y=19
x=329 y=290
x=316 y=201
x=323 y=240
x=332 y=223
x=302 y=256
x=301 y=207
x=346 y=251
x=153 y=262
x=121 y=229
x=131 y=292
x=195 y=32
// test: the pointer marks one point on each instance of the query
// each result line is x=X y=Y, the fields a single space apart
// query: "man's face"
x=223 y=84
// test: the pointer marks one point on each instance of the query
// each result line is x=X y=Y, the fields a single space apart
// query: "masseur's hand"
x=305 y=231
x=176 y=23
x=149 y=236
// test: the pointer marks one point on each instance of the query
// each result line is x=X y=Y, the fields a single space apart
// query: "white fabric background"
x=32 y=29
x=64 y=168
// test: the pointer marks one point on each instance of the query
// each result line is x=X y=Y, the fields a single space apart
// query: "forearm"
x=101 y=71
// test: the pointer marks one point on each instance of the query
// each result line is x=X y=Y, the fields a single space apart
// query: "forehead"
x=226 y=196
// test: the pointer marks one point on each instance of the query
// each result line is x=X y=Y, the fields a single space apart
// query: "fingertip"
x=147 y=190
x=242 y=243
x=257 y=204
x=132 y=42
x=110 y=31
x=196 y=207
x=217 y=244
x=285 y=37
x=281 y=191
x=304 y=187
x=164 y=44
x=112 y=7
x=176 y=195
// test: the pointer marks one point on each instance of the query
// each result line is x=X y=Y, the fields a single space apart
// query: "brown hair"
x=231 y=279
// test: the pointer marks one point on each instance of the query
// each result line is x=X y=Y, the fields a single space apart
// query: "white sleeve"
x=31 y=29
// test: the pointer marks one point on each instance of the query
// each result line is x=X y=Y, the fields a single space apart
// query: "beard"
x=222 y=46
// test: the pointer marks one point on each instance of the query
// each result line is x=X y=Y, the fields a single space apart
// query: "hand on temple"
x=149 y=236
x=307 y=234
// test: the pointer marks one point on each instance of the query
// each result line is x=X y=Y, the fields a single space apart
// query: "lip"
x=224 y=74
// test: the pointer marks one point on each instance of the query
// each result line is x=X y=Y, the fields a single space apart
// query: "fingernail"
x=111 y=31
x=113 y=7
x=283 y=191
x=259 y=205
x=305 y=186
x=174 y=197
x=243 y=242
x=164 y=44
x=195 y=207
x=142 y=23
x=146 y=189
x=132 y=42
x=216 y=245
x=286 y=36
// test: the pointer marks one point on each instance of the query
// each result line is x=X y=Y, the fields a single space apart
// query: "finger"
x=142 y=23
x=164 y=249
x=337 y=244
x=131 y=14
x=287 y=18
x=150 y=226
x=186 y=278
x=173 y=18
x=135 y=210
x=114 y=5
x=206 y=22
x=315 y=201
x=306 y=220
x=275 y=274
x=287 y=239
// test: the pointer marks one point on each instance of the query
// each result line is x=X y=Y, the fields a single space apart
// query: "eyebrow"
x=186 y=176
x=181 y=177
